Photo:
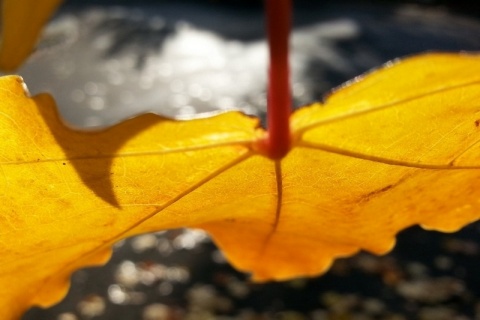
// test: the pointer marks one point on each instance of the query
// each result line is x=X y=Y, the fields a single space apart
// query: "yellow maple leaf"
x=21 y=22
x=398 y=148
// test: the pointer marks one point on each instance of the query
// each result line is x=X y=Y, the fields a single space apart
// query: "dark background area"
x=107 y=60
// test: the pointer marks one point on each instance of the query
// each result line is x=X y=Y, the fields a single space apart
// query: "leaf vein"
x=373 y=109
x=393 y=162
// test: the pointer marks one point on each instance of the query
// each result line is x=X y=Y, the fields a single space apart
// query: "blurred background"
x=105 y=61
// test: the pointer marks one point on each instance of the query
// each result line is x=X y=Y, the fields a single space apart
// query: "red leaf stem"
x=279 y=107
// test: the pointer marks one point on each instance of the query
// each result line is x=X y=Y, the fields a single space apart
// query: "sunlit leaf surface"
x=400 y=147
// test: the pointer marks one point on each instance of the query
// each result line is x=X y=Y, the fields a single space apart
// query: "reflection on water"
x=106 y=64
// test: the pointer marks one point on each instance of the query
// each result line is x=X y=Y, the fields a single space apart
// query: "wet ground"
x=104 y=64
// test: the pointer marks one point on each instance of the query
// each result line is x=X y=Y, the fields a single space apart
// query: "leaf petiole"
x=278 y=140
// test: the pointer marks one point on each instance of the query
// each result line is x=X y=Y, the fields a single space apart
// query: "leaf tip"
x=56 y=287
x=16 y=84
